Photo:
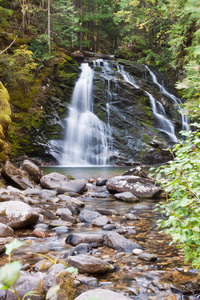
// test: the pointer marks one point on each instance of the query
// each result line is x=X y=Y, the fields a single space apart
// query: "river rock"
x=32 y=170
x=126 y=196
x=137 y=171
x=101 y=182
x=100 y=221
x=118 y=242
x=89 y=264
x=25 y=284
x=82 y=248
x=53 y=180
x=147 y=256
x=15 y=176
x=77 y=238
x=101 y=294
x=76 y=186
x=91 y=281
x=139 y=187
x=5 y=230
x=17 y=214
x=107 y=212
x=87 y=215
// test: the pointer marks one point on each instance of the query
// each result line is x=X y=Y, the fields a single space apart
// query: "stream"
x=133 y=277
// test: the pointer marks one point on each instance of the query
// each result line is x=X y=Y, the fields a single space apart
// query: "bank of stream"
x=166 y=277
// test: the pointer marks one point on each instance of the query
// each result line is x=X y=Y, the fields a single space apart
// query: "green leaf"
x=72 y=270
x=13 y=245
x=10 y=273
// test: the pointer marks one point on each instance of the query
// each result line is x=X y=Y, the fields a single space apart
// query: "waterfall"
x=177 y=101
x=87 y=137
x=163 y=124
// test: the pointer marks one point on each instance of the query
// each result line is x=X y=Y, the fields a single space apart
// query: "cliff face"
x=136 y=137
x=5 y=121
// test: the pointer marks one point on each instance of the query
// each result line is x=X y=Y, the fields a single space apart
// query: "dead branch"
x=9 y=45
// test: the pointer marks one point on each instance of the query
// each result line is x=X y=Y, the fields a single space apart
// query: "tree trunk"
x=49 y=25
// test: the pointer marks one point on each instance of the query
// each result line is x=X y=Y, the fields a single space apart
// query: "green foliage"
x=181 y=180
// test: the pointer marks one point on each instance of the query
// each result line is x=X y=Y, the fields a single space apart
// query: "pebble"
x=137 y=251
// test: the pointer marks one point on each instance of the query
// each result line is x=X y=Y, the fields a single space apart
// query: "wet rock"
x=109 y=227
x=162 y=283
x=76 y=186
x=15 y=176
x=139 y=187
x=82 y=248
x=78 y=55
x=101 y=294
x=131 y=217
x=100 y=221
x=41 y=233
x=76 y=202
x=53 y=180
x=147 y=256
x=77 y=238
x=5 y=230
x=3 y=242
x=87 y=215
x=66 y=211
x=101 y=182
x=116 y=241
x=68 y=218
x=17 y=214
x=25 y=284
x=107 y=212
x=75 y=210
x=137 y=171
x=91 y=281
x=89 y=264
x=58 y=223
x=49 y=214
x=126 y=196
x=32 y=170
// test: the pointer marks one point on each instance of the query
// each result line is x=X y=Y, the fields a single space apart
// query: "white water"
x=87 y=137
x=177 y=101
x=163 y=124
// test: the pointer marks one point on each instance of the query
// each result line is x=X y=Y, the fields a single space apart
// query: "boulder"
x=137 y=171
x=118 y=242
x=77 y=238
x=15 y=176
x=17 y=214
x=101 y=294
x=138 y=186
x=78 y=55
x=89 y=264
x=77 y=186
x=32 y=170
x=53 y=180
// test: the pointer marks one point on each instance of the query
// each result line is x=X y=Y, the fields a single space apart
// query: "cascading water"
x=164 y=124
x=87 y=137
x=174 y=99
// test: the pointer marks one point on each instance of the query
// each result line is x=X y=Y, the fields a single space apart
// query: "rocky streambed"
x=105 y=229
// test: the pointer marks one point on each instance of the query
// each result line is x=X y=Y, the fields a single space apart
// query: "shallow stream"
x=133 y=277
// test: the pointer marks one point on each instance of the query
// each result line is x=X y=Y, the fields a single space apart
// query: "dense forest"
x=37 y=39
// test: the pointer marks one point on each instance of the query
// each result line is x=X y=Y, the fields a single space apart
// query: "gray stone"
x=53 y=180
x=25 y=284
x=100 y=221
x=101 y=294
x=87 y=215
x=101 y=182
x=66 y=211
x=91 y=281
x=17 y=214
x=126 y=196
x=107 y=212
x=116 y=241
x=82 y=248
x=147 y=256
x=77 y=238
x=89 y=264
x=76 y=186
x=140 y=187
